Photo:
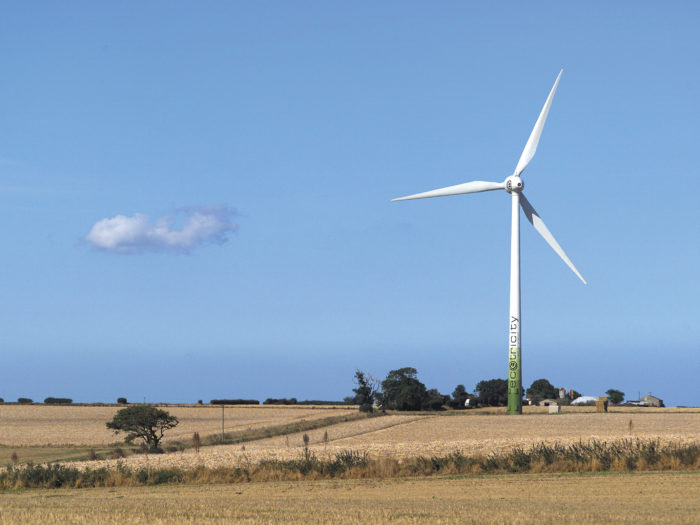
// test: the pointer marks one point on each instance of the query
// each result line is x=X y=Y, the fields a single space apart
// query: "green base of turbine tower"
x=515 y=384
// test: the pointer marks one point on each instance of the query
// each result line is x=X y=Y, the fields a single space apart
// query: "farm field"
x=41 y=433
x=41 y=425
x=44 y=433
x=415 y=434
x=669 y=497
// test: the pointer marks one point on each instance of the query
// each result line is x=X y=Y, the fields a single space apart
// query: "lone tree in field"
x=616 y=396
x=144 y=422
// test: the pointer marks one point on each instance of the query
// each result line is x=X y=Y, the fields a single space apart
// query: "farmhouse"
x=652 y=401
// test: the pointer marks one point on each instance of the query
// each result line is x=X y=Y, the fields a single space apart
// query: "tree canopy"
x=143 y=422
x=543 y=389
x=615 y=396
x=493 y=392
x=366 y=391
x=401 y=390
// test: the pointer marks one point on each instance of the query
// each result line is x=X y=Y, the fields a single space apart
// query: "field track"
x=660 y=498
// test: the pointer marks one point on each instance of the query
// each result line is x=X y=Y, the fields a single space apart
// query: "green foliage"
x=281 y=401
x=24 y=401
x=58 y=401
x=459 y=396
x=615 y=396
x=143 y=422
x=434 y=400
x=492 y=392
x=542 y=389
x=121 y=401
x=2 y=400
x=366 y=391
x=234 y=402
x=401 y=390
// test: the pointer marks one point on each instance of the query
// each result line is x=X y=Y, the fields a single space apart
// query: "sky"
x=195 y=197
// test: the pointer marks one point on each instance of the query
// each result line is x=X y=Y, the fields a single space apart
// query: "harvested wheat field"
x=37 y=425
x=416 y=434
x=669 y=497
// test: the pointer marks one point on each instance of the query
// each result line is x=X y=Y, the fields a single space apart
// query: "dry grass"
x=543 y=499
x=39 y=425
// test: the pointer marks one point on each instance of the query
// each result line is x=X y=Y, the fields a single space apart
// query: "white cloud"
x=136 y=234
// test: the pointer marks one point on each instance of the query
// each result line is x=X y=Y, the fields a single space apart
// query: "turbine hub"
x=514 y=184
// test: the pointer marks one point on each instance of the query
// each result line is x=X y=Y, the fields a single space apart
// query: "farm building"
x=652 y=401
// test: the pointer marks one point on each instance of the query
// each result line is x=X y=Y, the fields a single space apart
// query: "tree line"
x=402 y=390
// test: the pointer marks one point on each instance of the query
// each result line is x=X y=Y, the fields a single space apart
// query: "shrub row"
x=234 y=402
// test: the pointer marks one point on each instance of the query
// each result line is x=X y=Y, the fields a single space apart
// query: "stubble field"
x=41 y=425
x=670 y=497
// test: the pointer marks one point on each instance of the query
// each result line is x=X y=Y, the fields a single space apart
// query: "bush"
x=366 y=407
x=58 y=401
x=200 y=402
x=24 y=401
x=234 y=402
x=2 y=400
x=121 y=401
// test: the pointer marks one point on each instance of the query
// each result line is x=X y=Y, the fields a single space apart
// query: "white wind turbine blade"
x=539 y=225
x=468 y=187
x=531 y=145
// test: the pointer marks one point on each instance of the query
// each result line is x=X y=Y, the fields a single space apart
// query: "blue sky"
x=245 y=154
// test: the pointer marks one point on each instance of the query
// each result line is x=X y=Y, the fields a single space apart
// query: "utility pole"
x=222 y=424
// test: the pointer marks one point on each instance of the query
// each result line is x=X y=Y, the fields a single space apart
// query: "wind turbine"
x=513 y=185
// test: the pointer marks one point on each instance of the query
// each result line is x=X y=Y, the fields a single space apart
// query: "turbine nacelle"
x=514 y=184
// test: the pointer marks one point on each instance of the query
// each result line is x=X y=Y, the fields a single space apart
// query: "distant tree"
x=615 y=396
x=492 y=392
x=434 y=400
x=542 y=389
x=365 y=392
x=2 y=400
x=121 y=401
x=459 y=396
x=24 y=400
x=58 y=401
x=143 y=422
x=401 y=390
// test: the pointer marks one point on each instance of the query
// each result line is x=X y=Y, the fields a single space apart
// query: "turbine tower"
x=514 y=185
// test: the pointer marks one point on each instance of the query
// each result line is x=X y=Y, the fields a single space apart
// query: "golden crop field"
x=37 y=425
x=669 y=497
x=467 y=432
